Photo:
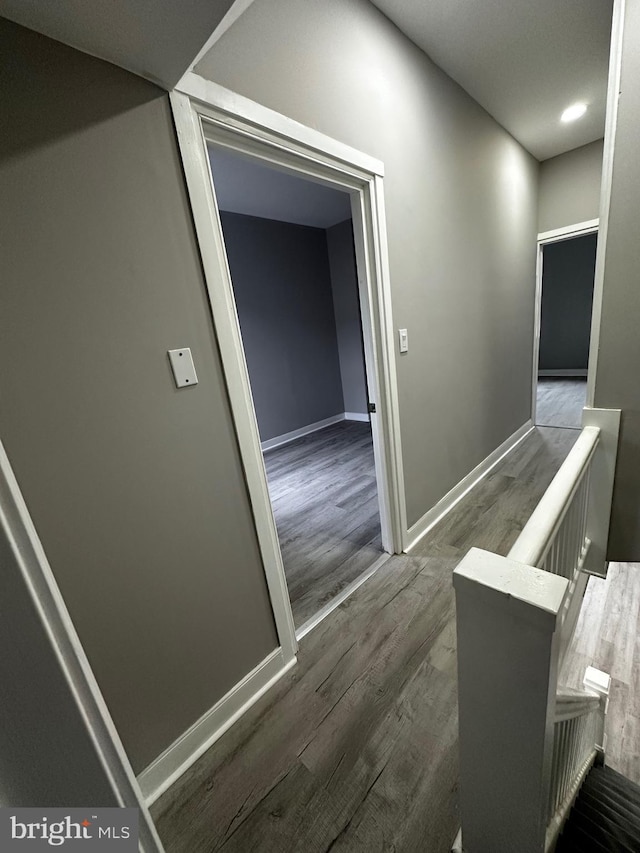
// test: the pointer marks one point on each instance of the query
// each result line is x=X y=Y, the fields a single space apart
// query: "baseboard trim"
x=286 y=437
x=167 y=768
x=577 y=371
x=446 y=504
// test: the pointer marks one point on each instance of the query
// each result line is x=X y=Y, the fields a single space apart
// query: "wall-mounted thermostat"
x=404 y=340
x=184 y=371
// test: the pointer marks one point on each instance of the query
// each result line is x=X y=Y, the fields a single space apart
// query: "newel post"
x=507 y=615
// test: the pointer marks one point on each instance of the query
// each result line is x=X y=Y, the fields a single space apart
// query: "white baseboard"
x=446 y=504
x=185 y=751
x=286 y=437
x=577 y=371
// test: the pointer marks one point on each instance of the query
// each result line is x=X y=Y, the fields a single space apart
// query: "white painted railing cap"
x=522 y=591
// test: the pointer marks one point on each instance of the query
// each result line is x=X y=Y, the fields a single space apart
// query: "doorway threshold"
x=348 y=591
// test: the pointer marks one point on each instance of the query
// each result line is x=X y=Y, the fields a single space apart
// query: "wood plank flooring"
x=356 y=748
x=560 y=402
x=325 y=502
x=608 y=637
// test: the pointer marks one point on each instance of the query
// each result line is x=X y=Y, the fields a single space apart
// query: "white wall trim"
x=611 y=121
x=220 y=293
x=545 y=238
x=190 y=746
x=580 y=372
x=264 y=123
x=568 y=231
x=286 y=437
x=48 y=603
x=447 y=503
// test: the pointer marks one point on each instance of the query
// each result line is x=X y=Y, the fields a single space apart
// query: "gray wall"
x=570 y=187
x=282 y=286
x=136 y=488
x=616 y=383
x=461 y=204
x=47 y=757
x=567 y=299
x=346 y=305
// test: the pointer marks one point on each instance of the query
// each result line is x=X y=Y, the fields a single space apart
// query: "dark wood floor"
x=325 y=501
x=356 y=748
x=560 y=402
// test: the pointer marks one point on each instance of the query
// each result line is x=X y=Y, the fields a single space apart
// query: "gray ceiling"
x=245 y=186
x=523 y=60
x=157 y=39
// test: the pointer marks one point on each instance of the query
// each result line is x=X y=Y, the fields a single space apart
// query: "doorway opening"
x=566 y=272
x=291 y=256
x=215 y=117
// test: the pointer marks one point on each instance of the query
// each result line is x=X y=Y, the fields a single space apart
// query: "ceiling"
x=157 y=39
x=246 y=186
x=524 y=61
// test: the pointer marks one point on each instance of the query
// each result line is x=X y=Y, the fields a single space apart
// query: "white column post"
x=603 y=469
x=507 y=614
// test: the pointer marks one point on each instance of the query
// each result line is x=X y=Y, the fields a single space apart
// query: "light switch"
x=184 y=371
x=404 y=340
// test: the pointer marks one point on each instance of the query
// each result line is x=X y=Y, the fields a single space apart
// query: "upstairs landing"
x=356 y=748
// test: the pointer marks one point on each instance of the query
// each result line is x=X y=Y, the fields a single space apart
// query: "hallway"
x=356 y=749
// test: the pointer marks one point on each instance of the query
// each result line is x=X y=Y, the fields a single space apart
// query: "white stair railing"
x=523 y=749
x=578 y=740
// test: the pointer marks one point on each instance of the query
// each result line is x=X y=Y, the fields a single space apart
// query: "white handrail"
x=538 y=533
x=575 y=703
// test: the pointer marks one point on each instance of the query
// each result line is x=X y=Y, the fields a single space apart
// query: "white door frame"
x=205 y=111
x=545 y=238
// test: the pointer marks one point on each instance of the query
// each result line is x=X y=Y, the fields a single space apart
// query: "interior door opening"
x=566 y=304
x=290 y=250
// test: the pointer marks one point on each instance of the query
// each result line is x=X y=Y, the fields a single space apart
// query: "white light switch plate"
x=184 y=371
x=404 y=340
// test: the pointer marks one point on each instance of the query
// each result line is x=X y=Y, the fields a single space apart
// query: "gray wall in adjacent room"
x=346 y=305
x=461 y=215
x=567 y=299
x=281 y=282
x=136 y=488
x=570 y=187
x=616 y=383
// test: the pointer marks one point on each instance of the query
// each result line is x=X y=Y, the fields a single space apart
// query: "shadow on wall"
x=52 y=65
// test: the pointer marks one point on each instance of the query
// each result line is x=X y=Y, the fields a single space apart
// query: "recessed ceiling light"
x=573 y=112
